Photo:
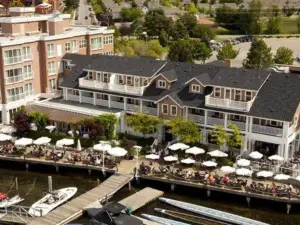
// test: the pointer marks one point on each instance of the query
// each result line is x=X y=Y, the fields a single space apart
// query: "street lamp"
x=144 y=33
x=137 y=149
x=104 y=148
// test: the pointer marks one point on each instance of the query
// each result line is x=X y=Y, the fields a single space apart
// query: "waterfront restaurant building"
x=31 y=51
x=263 y=104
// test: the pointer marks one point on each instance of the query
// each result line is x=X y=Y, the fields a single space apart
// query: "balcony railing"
x=102 y=102
x=27 y=75
x=196 y=118
x=239 y=124
x=74 y=98
x=14 y=79
x=149 y=110
x=228 y=103
x=267 y=130
x=133 y=107
x=215 y=121
x=112 y=87
x=12 y=60
x=87 y=99
x=292 y=129
x=117 y=105
x=14 y=98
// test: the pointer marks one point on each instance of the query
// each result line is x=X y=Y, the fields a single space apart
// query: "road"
x=83 y=12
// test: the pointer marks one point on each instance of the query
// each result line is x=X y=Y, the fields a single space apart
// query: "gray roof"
x=170 y=75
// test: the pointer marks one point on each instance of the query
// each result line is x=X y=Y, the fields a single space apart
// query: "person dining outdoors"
x=225 y=179
x=211 y=179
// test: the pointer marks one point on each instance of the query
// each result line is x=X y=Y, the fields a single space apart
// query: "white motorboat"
x=51 y=200
x=5 y=201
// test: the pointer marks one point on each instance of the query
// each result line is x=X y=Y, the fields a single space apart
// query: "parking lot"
x=274 y=43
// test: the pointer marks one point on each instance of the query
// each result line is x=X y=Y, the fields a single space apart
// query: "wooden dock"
x=75 y=208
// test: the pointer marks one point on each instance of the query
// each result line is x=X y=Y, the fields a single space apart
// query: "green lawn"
x=288 y=25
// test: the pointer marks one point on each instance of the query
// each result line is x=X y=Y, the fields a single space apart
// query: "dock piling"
x=248 y=200
x=288 y=208
x=89 y=171
x=50 y=183
x=129 y=186
x=208 y=192
x=17 y=184
x=98 y=182
x=57 y=168
x=27 y=166
x=173 y=187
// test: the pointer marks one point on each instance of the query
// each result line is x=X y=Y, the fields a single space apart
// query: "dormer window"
x=120 y=79
x=145 y=82
x=161 y=84
x=164 y=109
x=105 y=78
x=238 y=95
x=129 y=81
x=98 y=76
x=218 y=92
x=248 y=96
x=90 y=75
x=196 y=88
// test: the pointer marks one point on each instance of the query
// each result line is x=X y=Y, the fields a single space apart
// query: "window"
x=15 y=94
x=50 y=50
x=238 y=95
x=129 y=80
x=145 y=82
x=52 y=84
x=82 y=44
x=102 y=96
x=27 y=55
x=14 y=75
x=96 y=43
x=12 y=56
x=295 y=120
x=74 y=46
x=164 y=109
x=105 y=78
x=90 y=76
x=66 y=65
x=51 y=68
x=196 y=88
x=120 y=79
x=28 y=89
x=218 y=92
x=248 y=96
x=27 y=72
x=67 y=47
x=98 y=76
x=173 y=110
x=110 y=39
x=161 y=84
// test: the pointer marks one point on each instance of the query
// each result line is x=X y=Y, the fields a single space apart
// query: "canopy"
x=209 y=164
x=42 y=141
x=5 y=137
x=152 y=156
x=188 y=161
x=170 y=158
x=50 y=128
x=23 y=142
x=102 y=147
x=282 y=177
x=195 y=151
x=243 y=172
x=255 y=155
x=264 y=173
x=8 y=130
x=178 y=146
x=79 y=145
x=217 y=153
x=65 y=142
x=227 y=169
x=117 y=151
x=243 y=162
x=276 y=158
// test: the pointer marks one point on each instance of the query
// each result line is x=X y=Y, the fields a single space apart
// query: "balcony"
x=74 y=98
x=112 y=87
x=14 y=98
x=228 y=103
x=133 y=107
x=267 y=130
x=87 y=99
x=239 y=124
x=52 y=94
x=150 y=110
x=14 y=79
x=117 y=105
x=102 y=102
x=215 y=121
x=292 y=129
x=196 y=118
x=12 y=60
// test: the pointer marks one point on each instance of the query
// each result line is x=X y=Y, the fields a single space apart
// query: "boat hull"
x=11 y=201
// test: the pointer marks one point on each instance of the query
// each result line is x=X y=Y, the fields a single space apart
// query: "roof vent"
x=185 y=70
x=141 y=70
x=235 y=81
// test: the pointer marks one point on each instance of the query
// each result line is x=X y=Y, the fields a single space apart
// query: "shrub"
x=128 y=144
x=227 y=162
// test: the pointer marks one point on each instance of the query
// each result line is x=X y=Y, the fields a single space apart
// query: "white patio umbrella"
x=152 y=156
x=297 y=178
x=170 y=158
x=188 y=161
x=265 y=173
x=79 y=145
x=23 y=142
x=102 y=147
x=243 y=172
x=177 y=146
x=195 y=151
x=42 y=141
x=276 y=158
x=8 y=130
x=243 y=162
x=64 y=142
x=33 y=127
x=117 y=152
x=282 y=177
x=50 y=128
x=209 y=164
x=217 y=153
x=227 y=169
x=5 y=137
x=255 y=155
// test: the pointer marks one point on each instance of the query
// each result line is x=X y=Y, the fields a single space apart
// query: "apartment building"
x=263 y=104
x=31 y=51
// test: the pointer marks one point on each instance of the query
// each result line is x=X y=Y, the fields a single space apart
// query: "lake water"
x=270 y=212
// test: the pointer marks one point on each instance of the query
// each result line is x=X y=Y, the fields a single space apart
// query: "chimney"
x=228 y=62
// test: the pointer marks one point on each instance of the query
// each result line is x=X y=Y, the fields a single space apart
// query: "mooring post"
x=104 y=173
x=248 y=200
x=129 y=186
x=17 y=185
x=57 y=168
x=50 y=183
x=208 y=192
x=288 y=208
x=98 y=182
x=27 y=166
x=173 y=187
x=89 y=171
x=106 y=199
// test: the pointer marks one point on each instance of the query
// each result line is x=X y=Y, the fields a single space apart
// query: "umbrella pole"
x=103 y=166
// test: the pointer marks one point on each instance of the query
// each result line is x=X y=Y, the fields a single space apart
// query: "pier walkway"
x=74 y=208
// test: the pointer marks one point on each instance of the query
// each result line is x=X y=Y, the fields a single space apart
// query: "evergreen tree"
x=275 y=19
x=163 y=38
x=227 y=52
x=284 y=56
x=179 y=31
x=181 y=51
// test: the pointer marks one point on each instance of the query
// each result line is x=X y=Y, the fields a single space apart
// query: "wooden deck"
x=74 y=208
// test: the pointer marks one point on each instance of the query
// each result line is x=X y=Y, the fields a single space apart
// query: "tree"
x=275 y=19
x=191 y=8
x=125 y=30
x=156 y=21
x=227 y=52
x=143 y=123
x=284 y=56
x=181 y=51
x=228 y=16
x=155 y=47
x=249 y=19
x=235 y=139
x=219 y=135
x=298 y=24
x=259 y=55
x=186 y=130
x=163 y=38
x=179 y=30
x=21 y=123
x=109 y=122
x=212 y=2
x=200 y=51
x=205 y=33
x=189 y=21
x=39 y=119
x=130 y=14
